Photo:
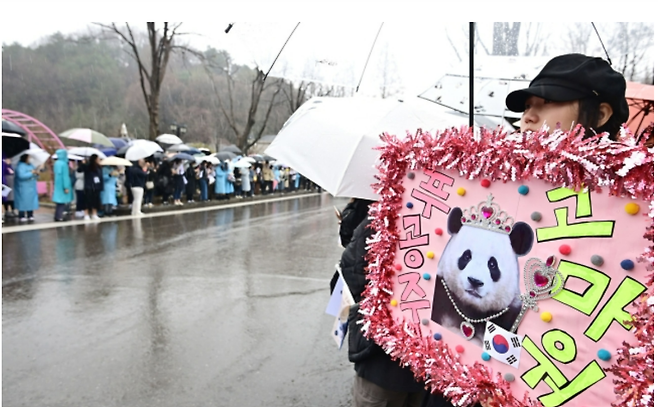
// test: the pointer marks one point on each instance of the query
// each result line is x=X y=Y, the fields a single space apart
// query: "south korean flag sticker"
x=502 y=345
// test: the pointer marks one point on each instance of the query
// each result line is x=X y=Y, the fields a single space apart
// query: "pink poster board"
x=455 y=253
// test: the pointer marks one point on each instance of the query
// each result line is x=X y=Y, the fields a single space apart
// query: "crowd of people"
x=88 y=190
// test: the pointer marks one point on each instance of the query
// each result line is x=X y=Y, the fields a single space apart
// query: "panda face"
x=481 y=268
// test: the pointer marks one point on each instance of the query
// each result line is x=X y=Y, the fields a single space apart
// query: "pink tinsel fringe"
x=561 y=158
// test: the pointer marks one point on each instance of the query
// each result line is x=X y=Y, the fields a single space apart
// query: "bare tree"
x=628 y=45
x=506 y=38
x=242 y=119
x=160 y=47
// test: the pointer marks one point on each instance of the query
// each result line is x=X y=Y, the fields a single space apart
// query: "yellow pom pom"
x=546 y=316
x=632 y=208
x=394 y=303
x=461 y=191
x=430 y=255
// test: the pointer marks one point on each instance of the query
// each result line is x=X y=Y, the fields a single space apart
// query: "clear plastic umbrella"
x=87 y=152
x=88 y=136
x=169 y=139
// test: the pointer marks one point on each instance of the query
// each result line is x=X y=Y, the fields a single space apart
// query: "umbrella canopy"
x=109 y=151
x=13 y=144
x=87 y=152
x=242 y=163
x=142 y=149
x=88 y=136
x=205 y=151
x=38 y=155
x=181 y=156
x=9 y=127
x=224 y=155
x=116 y=161
x=71 y=157
x=233 y=149
x=119 y=142
x=331 y=140
x=168 y=139
x=179 y=148
x=257 y=158
x=212 y=160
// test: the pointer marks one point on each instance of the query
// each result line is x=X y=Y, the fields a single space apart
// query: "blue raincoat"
x=25 y=188
x=221 y=180
x=109 y=194
x=62 y=179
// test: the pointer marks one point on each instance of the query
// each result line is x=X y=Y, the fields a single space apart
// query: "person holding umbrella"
x=179 y=180
x=190 y=176
x=221 y=181
x=93 y=186
x=8 y=180
x=109 y=194
x=63 y=189
x=164 y=183
x=138 y=175
x=25 y=189
x=150 y=184
x=573 y=89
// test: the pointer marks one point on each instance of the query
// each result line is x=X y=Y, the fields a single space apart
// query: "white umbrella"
x=242 y=163
x=88 y=136
x=70 y=157
x=87 y=152
x=169 y=139
x=116 y=161
x=38 y=156
x=212 y=160
x=331 y=140
x=142 y=149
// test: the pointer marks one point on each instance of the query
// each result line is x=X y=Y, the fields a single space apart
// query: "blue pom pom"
x=410 y=205
x=523 y=190
x=427 y=276
x=627 y=264
x=437 y=336
x=486 y=357
x=604 y=354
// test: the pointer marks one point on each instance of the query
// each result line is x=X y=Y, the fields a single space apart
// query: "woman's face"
x=539 y=111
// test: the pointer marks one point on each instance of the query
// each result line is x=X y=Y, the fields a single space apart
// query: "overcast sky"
x=412 y=54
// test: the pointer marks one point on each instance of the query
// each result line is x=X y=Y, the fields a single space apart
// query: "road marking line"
x=53 y=225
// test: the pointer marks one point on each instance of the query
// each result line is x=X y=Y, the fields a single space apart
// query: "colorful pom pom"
x=437 y=336
x=523 y=190
x=627 y=264
x=461 y=191
x=459 y=349
x=604 y=355
x=546 y=316
x=427 y=276
x=597 y=260
x=394 y=303
x=485 y=183
x=438 y=231
x=411 y=175
x=632 y=208
x=509 y=377
x=425 y=321
x=486 y=357
x=536 y=216
x=430 y=255
x=410 y=205
x=565 y=249
x=398 y=267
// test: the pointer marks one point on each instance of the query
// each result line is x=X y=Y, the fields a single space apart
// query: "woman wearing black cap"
x=573 y=89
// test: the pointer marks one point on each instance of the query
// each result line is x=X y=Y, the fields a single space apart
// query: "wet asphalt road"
x=216 y=308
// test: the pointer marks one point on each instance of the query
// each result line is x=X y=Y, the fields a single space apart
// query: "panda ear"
x=522 y=238
x=454 y=221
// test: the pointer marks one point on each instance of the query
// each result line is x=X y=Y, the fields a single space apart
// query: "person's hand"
x=66 y=191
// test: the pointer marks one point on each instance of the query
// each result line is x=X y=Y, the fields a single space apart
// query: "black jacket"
x=137 y=177
x=370 y=360
x=93 y=179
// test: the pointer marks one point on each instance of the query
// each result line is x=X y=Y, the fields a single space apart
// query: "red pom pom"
x=565 y=249
x=438 y=231
x=485 y=183
x=398 y=267
x=459 y=349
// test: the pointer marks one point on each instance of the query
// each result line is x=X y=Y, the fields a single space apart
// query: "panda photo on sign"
x=478 y=273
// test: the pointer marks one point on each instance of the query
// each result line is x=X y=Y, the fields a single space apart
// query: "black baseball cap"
x=574 y=77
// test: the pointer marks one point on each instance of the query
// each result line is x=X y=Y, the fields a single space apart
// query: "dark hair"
x=588 y=117
x=24 y=158
x=93 y=162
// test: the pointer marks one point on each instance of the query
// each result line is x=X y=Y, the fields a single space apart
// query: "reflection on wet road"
x=217 y=308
